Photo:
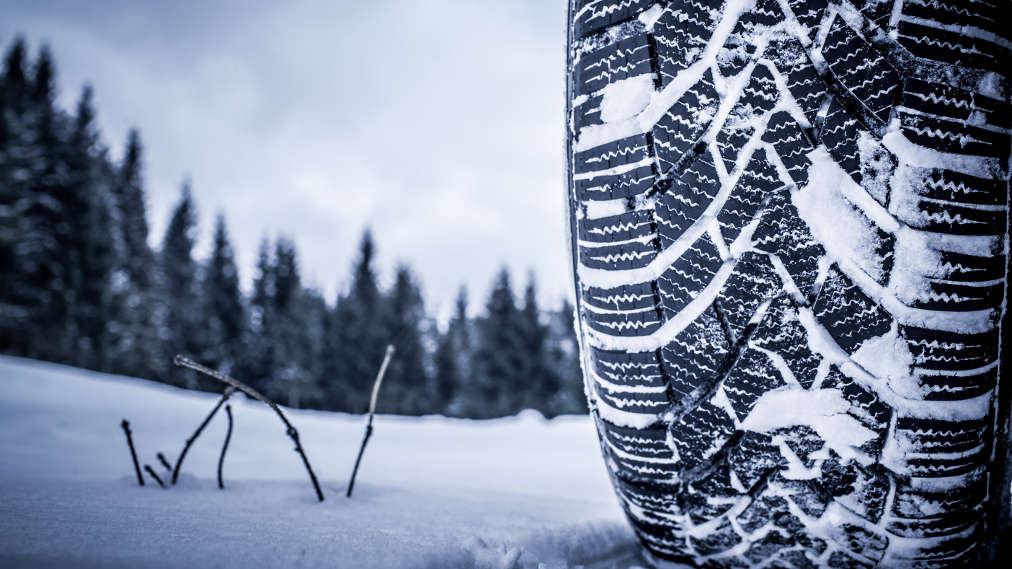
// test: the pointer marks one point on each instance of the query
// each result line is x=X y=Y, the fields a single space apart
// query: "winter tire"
x=789 y=234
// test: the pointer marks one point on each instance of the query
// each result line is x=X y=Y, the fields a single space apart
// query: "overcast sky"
x=436 y=122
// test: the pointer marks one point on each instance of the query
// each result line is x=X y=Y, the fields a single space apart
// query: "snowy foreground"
x=432 y=492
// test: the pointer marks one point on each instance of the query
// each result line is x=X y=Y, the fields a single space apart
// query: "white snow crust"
x=515 y=493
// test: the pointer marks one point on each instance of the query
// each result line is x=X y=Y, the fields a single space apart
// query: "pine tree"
x=536 y=382
x=223 y=308
x=15 y=299
x=360 y=340
x=292 y=345
x=45 y=209
x=138 y=350
x=183 y=327
x=452 y=359
x=500 y=356
x=564 y=352
x=258 y=365
x=97 y=253
x=408 y=389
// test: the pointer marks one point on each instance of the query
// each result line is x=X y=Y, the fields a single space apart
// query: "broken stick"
x=290 y=430
x=372 y=411
x=133 y=454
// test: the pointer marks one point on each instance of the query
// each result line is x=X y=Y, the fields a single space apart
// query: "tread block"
x=648 y=496
x=720 y=539
x=840 y=134
x=614 y=62
x=635 y=401
x=625 y=369
x=960 y=297
x=986 y=15
x=859 y=539
x=781 y=232
x=791 y=144
x=710 y=496
x=688 y=276
x=762 y=511
x=949 y=202
x=633 y=468
x=749 y=379
x=948 y=387
x=803 y=442
x=950 y=351
x=620 y=257
x=952 y=136
x=621 y=152
x=940 y=436
x=682 y=125
x=615 y=186
x=803 y=81
x=780 y=331
x=805 y=494
x=958 y=50
x=639 y=323
x=876 y=11
x=915 y=503
x=622 y=227
x=753 y=281
x=758 y=98
x=954 y=103
x=808 y=12
x=866 y=407
x=850 y=316
x=740 y=46
x=686 y=199
x=861 y=70
x=862 y=490
x=971 y=268
x=700 y=433
x=693 y=359
x=878 y=164
x=649 y=443
x=626 y=297
x=682 y=32
x=588 y=113
x=754 y=457
x=757 y=181
x=595 y=15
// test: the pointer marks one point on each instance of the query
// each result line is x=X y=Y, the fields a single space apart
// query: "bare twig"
x=224 y=447
x=151 y=471
x=235 y=383
x=179 y=461
x=165 y=462
x=372 y=411
x=133 y=454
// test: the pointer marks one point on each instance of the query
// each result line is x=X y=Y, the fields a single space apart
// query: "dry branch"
x=372 y=411
x=179 y=461
x=235 y=383
x=133 y=454
x=151 y=471
x=224 y=447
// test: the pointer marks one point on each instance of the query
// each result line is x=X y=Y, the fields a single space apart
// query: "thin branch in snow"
x=224 y=447
x=290 y=430
x=133 y=453
x=165 y=462
x=151 y=471
x=372 y=411
x=179 y=461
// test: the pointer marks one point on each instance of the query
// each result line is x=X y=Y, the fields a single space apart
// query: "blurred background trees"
x=80 y=284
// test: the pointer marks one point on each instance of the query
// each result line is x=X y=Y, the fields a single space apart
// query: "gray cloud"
x=436 y=122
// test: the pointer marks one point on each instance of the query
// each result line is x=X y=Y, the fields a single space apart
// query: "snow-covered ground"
x=431 y=492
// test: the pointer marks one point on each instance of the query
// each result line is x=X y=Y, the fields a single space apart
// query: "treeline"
x=79 y=284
